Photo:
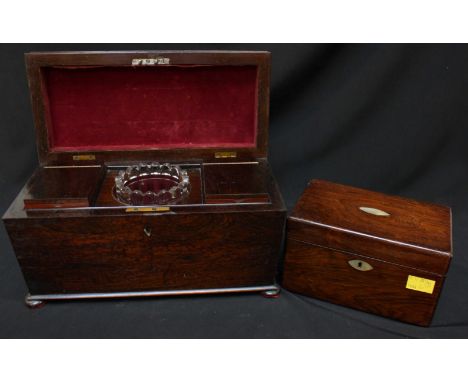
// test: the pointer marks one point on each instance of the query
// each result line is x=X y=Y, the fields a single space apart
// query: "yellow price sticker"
x=420 y=284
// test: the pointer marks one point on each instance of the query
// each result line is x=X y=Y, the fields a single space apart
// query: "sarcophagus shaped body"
x=153 y=176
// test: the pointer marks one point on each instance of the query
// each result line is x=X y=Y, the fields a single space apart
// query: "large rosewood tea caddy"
x=153 y=176
x=378 y=253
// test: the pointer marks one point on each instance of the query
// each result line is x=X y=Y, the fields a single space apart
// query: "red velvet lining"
x=126 y=108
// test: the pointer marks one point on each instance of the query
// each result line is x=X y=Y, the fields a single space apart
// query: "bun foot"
x=33 y=304
x=271 y=293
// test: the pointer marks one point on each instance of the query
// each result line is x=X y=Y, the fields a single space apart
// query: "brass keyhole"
x=147 y=231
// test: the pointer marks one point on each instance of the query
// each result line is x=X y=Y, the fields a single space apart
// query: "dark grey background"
x=392 y=118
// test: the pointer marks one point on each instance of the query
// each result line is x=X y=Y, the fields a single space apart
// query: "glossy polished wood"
x=63 y=187
x=326 y=274
x=237 y=198
x=230 y=179
x=116 y=253
x=101 y=246
x=411 y=222
x=246 y=183
x=104 y=248
x=327 y=229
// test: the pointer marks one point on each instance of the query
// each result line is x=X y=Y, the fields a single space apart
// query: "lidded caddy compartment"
x=382 y=254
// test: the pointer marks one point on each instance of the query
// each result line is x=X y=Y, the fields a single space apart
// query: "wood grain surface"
x=63 y=187
x=182 y=251
x=326 y=274
x=106 y=249
x=328 y=228
x=102 y=247
x=412 y=222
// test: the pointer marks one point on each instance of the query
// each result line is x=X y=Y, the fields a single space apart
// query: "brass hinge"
x=84 y=157
x=225 y=154
x=147 y=209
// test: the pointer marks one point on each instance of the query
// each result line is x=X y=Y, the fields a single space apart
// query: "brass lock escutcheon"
x=360 y=265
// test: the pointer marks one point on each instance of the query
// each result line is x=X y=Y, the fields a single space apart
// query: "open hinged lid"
x=389 y=228
x=149 y=105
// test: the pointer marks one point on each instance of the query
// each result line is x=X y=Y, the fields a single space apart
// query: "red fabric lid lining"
x=131 y=108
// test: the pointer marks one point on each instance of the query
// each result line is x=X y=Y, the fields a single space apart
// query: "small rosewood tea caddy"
x=153 y=176
x=382 y=254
